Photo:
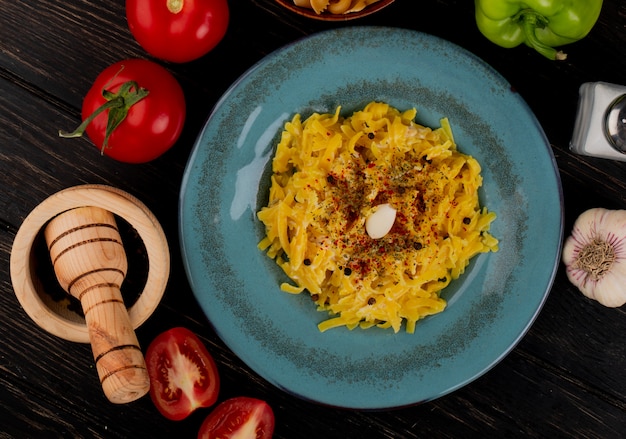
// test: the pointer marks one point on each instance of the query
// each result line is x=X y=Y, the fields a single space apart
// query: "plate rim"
x=465 y=52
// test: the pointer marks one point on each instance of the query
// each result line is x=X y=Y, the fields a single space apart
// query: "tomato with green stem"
x=183 y=375
x=134 y=111
x=239 y=417
x=178 y=30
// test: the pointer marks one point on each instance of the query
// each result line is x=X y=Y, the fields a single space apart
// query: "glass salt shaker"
x=600 y=127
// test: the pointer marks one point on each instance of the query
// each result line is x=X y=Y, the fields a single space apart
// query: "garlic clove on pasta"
x=595 y=256
x=380 y=222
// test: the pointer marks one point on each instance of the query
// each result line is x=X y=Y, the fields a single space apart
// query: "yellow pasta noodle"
x=335 y=6
x=330 y=173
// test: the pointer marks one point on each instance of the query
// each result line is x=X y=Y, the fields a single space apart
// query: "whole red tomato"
x=183 y=375
x=239 y=417
x=177 y=30
x=134 y=111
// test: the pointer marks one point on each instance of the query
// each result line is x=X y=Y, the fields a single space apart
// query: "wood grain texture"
x=564 y=379
x=90 y=263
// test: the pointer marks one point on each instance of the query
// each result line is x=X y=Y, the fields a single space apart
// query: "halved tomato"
x=240 y=417
x=183 y=375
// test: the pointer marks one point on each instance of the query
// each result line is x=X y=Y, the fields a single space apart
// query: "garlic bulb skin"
x=595 y=255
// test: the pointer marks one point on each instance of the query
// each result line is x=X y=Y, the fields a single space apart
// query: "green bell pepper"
x=540 y=24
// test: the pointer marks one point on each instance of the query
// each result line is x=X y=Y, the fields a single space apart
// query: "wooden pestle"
x=90 y=263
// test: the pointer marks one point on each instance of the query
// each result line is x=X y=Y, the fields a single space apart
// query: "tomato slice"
x=183 y=375
x=239 y=418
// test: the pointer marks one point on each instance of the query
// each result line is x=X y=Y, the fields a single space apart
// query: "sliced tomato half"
x=183 y=375
x=239 y=418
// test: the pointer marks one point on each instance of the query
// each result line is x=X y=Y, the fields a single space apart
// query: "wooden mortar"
x=31 y=291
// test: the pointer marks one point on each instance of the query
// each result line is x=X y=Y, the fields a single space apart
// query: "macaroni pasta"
x=334 y=6
x=329 y=175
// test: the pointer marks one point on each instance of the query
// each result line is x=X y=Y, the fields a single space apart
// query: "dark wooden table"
x=567 y=377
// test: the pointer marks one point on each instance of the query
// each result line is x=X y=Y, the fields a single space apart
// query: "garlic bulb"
x=595 y=255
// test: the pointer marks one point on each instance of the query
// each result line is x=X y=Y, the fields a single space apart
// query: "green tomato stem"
x=118 y=104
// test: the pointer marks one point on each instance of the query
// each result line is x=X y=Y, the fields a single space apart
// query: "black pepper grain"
x=307 y=261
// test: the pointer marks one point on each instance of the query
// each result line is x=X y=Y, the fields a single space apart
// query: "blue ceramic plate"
x=489 y=309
